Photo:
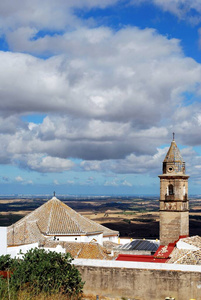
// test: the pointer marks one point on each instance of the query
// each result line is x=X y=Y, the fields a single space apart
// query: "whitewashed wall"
x=113 y=239
x=183 y=245
x=3 y=240
x=15 y=251
x=135 y=265
x=84 y=238
x=18 y=251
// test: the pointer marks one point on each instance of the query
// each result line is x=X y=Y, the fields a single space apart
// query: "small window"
x=184 y=190
x=171 y=189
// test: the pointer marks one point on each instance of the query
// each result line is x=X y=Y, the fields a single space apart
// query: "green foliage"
x=43 y=272
x=3 y=289
x=6 y=262
x=127 y=221
x=127 y=213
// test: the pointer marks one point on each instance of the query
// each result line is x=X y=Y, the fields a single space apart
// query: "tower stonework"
x=174 y=205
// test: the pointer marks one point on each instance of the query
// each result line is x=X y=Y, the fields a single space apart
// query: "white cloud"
x=129 y=75
x=19 y=179
x=56 y=182
x=70 y=182
x=111 y=97
x=188 y=10
x=123 y=77
x=55 y=15
x=126 y=183
x=111 y=183
x=184 y=9
x=45 y=164
x=23 y=181
x=131 y=164
x=117 y=182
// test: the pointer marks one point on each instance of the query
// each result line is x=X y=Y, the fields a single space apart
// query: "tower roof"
x=173 y=154
x=53 y=218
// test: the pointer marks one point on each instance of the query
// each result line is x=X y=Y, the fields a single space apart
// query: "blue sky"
x=91 y=91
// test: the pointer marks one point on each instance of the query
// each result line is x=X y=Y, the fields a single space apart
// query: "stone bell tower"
x=174 y=205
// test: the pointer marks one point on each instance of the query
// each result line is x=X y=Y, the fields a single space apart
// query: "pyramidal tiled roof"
x=53 y=218
x=173 y=154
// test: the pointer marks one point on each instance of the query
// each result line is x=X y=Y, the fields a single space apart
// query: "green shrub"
x=3 y=289
x=6 y=262
x=43 y=272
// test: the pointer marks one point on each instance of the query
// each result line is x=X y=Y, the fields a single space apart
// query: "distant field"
x=132 y=217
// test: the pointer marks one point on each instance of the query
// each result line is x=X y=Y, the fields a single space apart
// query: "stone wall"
x=172 y=225
x=140 y=283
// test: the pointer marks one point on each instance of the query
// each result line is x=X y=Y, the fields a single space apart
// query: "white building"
x=3 y=240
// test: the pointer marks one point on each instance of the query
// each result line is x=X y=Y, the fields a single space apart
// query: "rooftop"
x=187 y=256
x=139 y=245
x=193 y=241
x=53 y=218
x=173 y=154
x=81 y=250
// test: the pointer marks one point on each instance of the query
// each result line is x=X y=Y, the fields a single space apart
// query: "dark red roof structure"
x=160 y=256
x=164 y=251
x=141 y=258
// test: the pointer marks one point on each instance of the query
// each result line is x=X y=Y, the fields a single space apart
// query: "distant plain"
x=133 y=217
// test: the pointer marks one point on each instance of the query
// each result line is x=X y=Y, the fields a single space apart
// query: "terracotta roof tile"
x=187 y=256
x=81 y=250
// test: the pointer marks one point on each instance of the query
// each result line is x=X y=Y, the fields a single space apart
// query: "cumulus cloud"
x=45 y=164
x=131 y=164
x=111 y=98
x=123 y=77
x=48 y=14
x=188 y=10
x=23 y=181
x=144 y=164
x=184 y=9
